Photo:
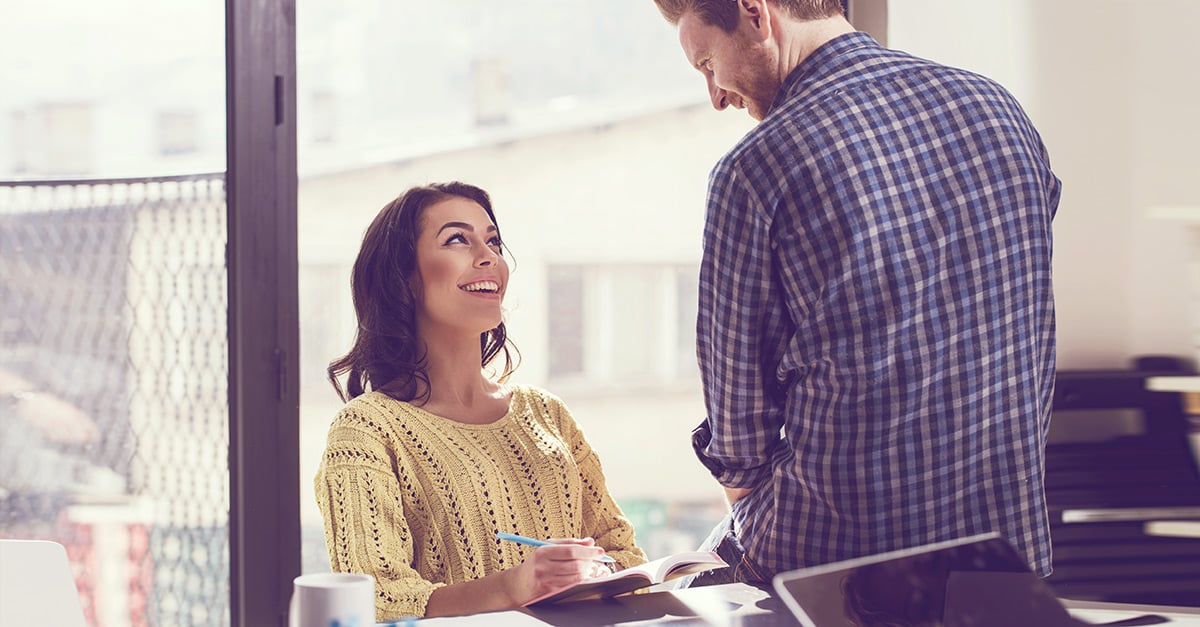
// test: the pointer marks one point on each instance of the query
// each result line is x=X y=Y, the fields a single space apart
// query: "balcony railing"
x=113 y=328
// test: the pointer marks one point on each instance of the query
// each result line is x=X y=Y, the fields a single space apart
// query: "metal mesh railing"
x=113 y=380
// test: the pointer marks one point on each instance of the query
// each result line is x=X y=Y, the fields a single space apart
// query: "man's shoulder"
x=778 y=138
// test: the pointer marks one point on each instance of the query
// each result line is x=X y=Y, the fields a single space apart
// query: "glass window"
x=113 y=361
x=565 y=320
x=177 y=132
x=595 y=139
x=622 y=325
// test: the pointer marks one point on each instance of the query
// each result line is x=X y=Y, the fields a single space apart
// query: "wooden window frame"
x=261 y=254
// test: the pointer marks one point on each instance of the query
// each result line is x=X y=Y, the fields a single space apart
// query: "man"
x=876 y=328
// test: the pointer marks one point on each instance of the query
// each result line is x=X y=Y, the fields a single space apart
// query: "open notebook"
x=36 y=585
x=980 y=581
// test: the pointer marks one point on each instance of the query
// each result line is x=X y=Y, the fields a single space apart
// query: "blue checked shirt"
x=876 y=329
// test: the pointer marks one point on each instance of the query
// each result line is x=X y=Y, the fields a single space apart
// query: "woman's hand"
x=556 y=567
x=548 y=569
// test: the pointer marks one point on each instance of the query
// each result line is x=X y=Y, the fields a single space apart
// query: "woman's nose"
x=486 y=257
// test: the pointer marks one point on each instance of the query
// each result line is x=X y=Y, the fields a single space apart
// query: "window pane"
x=687 y=297
x=595 y=139
x=113 y=360
x=565 y=320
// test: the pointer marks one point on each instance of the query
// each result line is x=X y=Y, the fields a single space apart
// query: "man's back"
x=878 y=248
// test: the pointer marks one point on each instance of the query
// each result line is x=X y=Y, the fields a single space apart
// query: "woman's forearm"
x=498 y=591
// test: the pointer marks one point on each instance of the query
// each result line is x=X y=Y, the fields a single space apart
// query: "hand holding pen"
x=512 y=537
x=556 y=565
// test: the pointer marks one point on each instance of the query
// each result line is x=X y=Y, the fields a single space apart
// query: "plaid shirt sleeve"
x=740 y=329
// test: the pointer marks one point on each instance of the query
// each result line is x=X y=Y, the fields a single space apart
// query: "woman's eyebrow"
x=463 y=225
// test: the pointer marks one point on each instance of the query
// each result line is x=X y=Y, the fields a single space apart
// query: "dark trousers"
x=741 y=569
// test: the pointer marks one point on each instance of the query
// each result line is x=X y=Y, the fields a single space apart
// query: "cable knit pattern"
x=416 y=499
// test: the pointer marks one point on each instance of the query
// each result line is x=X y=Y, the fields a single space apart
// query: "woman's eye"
x=457 y=237
x=495 y=243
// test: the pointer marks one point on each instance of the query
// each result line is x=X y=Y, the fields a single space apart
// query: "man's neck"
x=798 y=40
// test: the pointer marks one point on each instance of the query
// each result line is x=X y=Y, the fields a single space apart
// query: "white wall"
x=1111 y=86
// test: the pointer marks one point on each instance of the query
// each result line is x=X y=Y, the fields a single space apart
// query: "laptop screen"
x=979 y=582
x=37 y=586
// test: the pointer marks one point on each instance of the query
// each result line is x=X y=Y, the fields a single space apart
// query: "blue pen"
x=512 y=537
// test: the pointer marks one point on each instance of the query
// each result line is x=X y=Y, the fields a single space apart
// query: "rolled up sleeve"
x=741 y=330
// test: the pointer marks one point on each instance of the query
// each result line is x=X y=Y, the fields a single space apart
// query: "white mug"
x=333 y=600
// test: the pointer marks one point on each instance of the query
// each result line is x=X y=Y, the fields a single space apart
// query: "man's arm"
x=741 y=331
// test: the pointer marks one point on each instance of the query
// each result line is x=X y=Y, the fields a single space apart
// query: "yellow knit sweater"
x=416 y=499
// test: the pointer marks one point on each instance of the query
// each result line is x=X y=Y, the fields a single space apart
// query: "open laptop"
x=36 y=586
x=979 y=581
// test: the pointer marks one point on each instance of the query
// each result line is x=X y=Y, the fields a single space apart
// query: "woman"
x=434 y=453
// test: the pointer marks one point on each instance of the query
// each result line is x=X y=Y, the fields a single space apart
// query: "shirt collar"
x=820 y=63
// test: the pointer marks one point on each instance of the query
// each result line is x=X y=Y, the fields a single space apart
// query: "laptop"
x=979 y=581
x=36 y=585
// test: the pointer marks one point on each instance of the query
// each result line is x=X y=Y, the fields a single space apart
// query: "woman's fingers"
x=560 y=565
x=580 y=541
x=565 y=563
x=562 y=551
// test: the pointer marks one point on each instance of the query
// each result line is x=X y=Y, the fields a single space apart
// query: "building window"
x=622 y=324
x=322 y=114
x=19 y=142
x=177 y=132
x=565 y=287
x=67 y=132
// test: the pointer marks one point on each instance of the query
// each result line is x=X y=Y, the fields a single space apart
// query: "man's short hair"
x=724 y=13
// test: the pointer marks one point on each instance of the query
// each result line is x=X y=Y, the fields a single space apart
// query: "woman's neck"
x=459 y=389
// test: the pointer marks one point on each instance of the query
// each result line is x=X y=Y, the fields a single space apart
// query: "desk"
x=738 y=605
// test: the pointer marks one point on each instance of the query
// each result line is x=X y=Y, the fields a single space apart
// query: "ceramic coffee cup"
x=333 y=600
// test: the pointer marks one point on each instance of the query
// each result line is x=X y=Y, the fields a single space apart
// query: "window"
x=177 y=132
x=113 y=309
x=18 y=134
x=622 y=325
x=322 y=112
x=565 y=296
x=66 y=136
x=113 y=317
x=596 y=156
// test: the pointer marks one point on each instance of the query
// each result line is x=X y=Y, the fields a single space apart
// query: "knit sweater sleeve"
x=366 y=531
x=603 y=519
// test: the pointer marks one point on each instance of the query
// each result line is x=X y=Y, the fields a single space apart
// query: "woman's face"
x=461 y=275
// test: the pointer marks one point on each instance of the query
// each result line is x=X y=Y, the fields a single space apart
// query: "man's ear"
x=757 y=15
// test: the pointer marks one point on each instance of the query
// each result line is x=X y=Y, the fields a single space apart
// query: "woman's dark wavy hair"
x=387 y=355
